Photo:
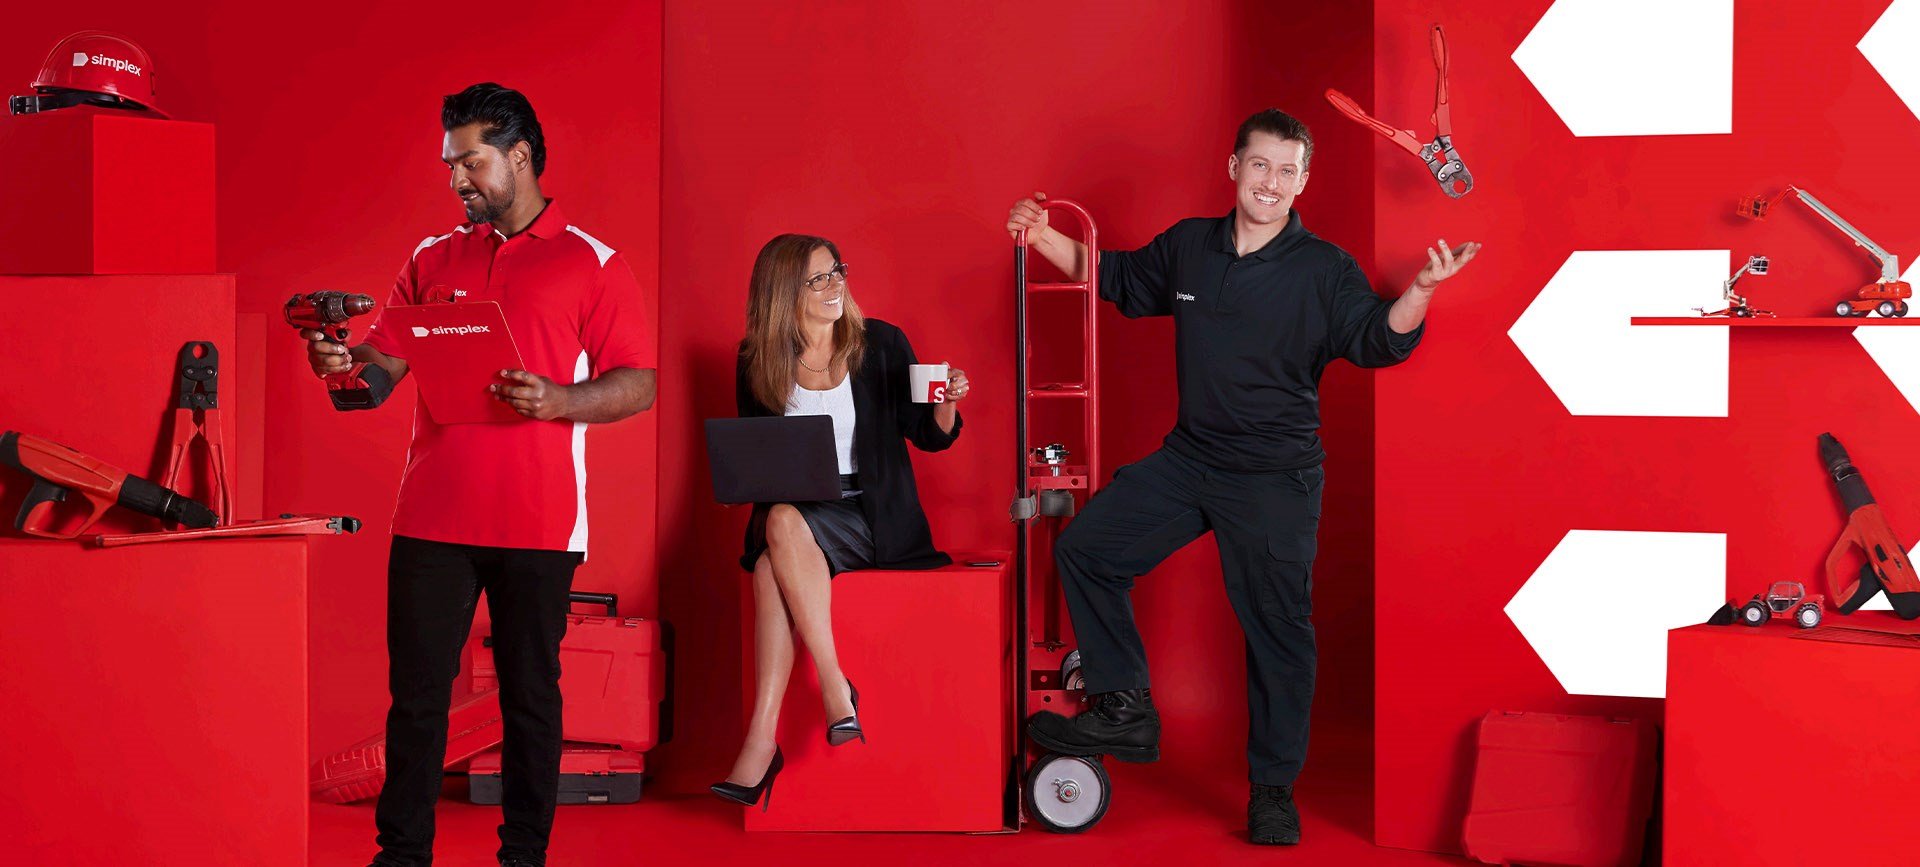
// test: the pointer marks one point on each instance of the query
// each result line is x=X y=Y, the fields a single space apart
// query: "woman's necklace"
x=803 y=363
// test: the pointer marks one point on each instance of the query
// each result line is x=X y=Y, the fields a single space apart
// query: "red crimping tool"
x=196 y=415
x=1452 y=174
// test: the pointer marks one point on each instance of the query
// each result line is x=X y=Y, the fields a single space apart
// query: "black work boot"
x=1272 y=819
x=1120 y=724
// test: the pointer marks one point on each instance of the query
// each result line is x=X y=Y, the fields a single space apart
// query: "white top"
x=836 y=402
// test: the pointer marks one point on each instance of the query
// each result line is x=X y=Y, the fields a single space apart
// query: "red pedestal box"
x=92 y=365
x=1793 y=748
x=156 y=703
x=99 y=192
x=929 y=652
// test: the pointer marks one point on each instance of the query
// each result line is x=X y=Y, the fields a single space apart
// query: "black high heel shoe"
x=846 y=730
x=747 y=796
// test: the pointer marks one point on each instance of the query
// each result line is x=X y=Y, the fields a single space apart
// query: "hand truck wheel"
x=1067 y=794
x=1071 y=678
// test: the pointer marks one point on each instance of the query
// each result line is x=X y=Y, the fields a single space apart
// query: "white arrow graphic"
x=1578 y=333
x=1889 y=47
x=1896 y=351
x=1598 y=609
x=1634 y=67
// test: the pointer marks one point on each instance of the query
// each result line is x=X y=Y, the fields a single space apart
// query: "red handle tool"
x=1442 y=160
x=196 y=415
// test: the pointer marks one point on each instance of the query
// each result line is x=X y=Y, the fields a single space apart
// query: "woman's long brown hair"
x=773 y=342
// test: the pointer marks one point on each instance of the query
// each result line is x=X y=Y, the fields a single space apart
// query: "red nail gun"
x=1887 y=567
x=59 y=471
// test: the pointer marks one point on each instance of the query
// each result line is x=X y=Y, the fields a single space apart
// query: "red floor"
x=1165 y=813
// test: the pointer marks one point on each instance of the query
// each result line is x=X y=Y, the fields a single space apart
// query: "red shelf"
x=1765 y=322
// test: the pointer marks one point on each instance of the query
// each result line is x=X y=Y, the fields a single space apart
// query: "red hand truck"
x=1065 y=794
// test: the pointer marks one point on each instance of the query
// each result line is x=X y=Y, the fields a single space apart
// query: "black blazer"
x=885 y=420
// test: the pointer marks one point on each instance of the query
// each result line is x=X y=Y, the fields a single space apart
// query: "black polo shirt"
x=1253 y=334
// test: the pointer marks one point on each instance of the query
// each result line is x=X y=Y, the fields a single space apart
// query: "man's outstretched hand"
x=1443 y=262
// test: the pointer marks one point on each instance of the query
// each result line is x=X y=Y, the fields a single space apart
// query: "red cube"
x=99 y=192
x=929 y=651
x=1791 y=747
x=155 y=692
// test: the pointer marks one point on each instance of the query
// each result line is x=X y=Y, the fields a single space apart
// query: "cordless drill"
x=362 y=386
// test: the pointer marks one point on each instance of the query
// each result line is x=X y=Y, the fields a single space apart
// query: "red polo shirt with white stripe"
x=575 y=312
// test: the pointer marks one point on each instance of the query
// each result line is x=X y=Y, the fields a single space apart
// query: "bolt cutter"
x=1439 y=155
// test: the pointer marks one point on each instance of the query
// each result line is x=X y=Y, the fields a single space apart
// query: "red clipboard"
x=454 y=352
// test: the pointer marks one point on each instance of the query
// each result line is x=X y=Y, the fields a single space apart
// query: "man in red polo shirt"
x=498 y=508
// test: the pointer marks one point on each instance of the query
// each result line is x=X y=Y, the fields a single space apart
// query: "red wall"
x=329 y=137
x=905 y=137
x=1482 y=469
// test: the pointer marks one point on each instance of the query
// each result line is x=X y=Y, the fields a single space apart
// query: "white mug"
x=929 y=382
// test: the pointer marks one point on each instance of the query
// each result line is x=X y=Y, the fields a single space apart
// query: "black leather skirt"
x=839 y=526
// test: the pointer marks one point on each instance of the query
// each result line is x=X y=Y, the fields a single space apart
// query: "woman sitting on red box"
x=808 y=351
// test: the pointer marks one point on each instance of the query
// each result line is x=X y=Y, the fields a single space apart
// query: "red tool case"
x=613 y=673
x=1557 y=789
x=613 y=677
x=588 y=775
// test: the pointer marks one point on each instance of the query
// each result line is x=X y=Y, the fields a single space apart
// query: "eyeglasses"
x=837 y=276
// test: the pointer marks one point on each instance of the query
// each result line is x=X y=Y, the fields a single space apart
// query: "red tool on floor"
x=613 y=678
x=196 y=415
x=1887 y=567
x=1067 y=794
x=59 y=472
x=1886 y=296
x=357 y=772
x=362 y=386
x=1439 y=155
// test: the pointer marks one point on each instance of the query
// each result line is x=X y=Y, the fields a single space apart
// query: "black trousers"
x=1264 y=524
x=431 y=591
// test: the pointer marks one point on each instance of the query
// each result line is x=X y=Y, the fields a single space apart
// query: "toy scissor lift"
x=1058 y=421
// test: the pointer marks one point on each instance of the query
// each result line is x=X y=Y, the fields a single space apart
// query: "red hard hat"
x=92 y=67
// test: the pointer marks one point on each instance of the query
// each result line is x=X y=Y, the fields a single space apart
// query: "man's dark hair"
x=1279 y=124
x=505 y=117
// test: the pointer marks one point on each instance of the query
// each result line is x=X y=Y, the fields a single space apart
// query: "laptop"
x=454 y=351
x=777 y=459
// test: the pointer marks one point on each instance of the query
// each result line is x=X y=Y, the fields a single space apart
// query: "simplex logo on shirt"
x=81 y=58
x=456 y=330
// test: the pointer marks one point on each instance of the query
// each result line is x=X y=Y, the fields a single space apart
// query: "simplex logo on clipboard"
x=454 y=352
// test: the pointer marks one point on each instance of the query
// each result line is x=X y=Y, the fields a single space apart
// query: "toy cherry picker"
x=1886 y=296
x=1737 y=305
x=1066 y=794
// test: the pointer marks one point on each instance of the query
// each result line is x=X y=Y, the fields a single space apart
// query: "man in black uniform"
x=1261 y=307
